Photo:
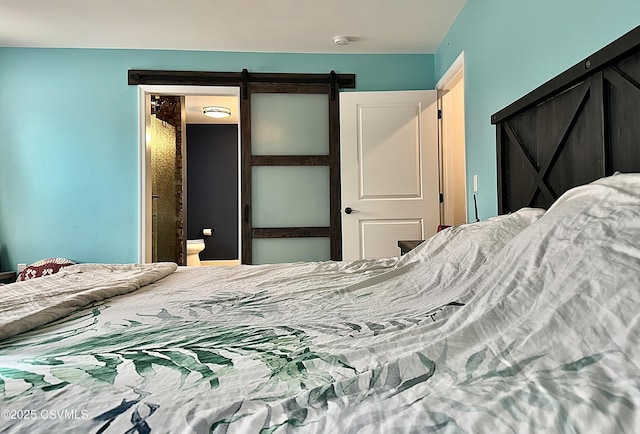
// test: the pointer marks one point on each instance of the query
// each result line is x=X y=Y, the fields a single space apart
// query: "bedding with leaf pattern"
x=522 y=323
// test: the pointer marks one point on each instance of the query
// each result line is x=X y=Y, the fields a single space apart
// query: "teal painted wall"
x=69 y=139
x=512 y=47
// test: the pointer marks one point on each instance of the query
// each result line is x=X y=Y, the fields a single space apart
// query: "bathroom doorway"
x=176 y=217
x=308 y=174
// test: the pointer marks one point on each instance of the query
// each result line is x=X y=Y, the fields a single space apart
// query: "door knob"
x=348 y=210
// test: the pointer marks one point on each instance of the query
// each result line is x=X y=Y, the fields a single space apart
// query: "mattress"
x=524 y=322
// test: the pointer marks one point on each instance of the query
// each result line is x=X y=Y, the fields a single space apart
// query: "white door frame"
x=456 y=68
x=144 y=157
x=446 y=82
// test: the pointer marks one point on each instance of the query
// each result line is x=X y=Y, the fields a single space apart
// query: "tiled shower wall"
x=169 y=242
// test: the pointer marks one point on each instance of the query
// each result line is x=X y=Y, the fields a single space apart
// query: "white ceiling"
x=288 y=26
x=194 y=105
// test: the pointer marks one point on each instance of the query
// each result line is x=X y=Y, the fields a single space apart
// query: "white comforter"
x=29 y=304
x=523 y=323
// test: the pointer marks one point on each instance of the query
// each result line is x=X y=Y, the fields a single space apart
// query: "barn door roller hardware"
x=240 y=79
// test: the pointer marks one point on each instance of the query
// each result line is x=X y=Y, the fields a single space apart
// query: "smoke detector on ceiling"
x=341 y=40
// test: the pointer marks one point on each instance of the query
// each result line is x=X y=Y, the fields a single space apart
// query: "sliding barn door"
x=290 y=177
x=390 y=188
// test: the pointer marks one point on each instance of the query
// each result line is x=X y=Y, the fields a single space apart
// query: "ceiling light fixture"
x=216 y=111
x=341 y=40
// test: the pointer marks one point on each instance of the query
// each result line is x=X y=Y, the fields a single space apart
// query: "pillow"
x=626 y=183
x=43 y=268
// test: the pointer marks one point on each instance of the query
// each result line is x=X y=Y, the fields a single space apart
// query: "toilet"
x=194 y=247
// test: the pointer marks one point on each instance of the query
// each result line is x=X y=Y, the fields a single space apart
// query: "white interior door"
x=389 y=170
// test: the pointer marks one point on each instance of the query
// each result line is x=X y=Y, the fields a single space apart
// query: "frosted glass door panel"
x=290 y=196
x=278 y=250
x=289 y=124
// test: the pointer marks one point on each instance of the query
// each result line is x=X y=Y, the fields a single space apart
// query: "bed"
x=579 y=126
x=525 y=322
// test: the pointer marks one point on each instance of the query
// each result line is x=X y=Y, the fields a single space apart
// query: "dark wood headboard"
x=579 y=126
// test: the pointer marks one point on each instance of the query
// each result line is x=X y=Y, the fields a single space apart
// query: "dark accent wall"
x=212 y=188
